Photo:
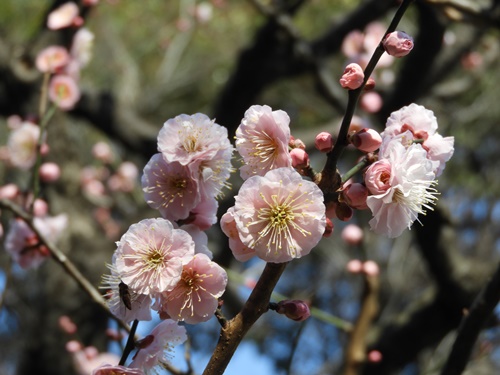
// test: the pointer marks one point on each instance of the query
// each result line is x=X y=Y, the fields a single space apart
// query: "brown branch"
x=356 y=350
x=236 y=328
x=471 y=325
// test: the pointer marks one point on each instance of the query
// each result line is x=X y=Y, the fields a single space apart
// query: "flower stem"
x=130 y=345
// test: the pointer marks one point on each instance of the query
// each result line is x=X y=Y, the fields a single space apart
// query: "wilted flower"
x=280 y=215
x=262 y=141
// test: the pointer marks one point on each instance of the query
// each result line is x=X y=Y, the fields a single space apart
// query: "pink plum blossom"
x=204 y=215
x=262 y=141
x=200 y=239
x=228 y=225
x=66 y=15
x=423 y=125
x=353 y=77
x=52 y=59
x=22 y=145
x=195 y=297
x=280 y=215
x=402 y=186
x=170 y=188
x=398 y=44
x=24 y=245
x=64 y=91
x=185 y=139
x=166 y=335
x=139 y=305
x=150 y=256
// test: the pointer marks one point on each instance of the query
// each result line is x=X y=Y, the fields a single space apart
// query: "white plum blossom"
x=22 y=145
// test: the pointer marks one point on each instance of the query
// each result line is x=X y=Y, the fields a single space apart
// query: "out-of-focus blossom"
x=398 y=44
x=352 y=234
x=371 y=102
x=116 y=370
x=64 y=91
x=366 y=140
x=22 y=145
x=324 y=142
x=371 y=268
x=195 y=297
x=49 y=172
x=402 y=187
x=280 y=215
x=52 y=59
x=66 y=15
x=423 y=125
x=203 y=12
x=262 y=141
x=150 y=256
x=354 y=266
x=103 y=152
x=353 y=77
x=170 y=188
x=81 y=48
x=90 y=2
x=9 y=191
x=24 y=245
x=87 y=359
x=40 y=207
x=125 y=178
x=166 y=335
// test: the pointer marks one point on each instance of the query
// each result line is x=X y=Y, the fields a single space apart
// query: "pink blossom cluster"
x=65 y=65
x=278 y=216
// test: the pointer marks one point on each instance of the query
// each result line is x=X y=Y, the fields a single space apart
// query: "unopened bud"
x=353 y=77
x=343 y=212
x=371 y=102
x=366 y=140
x=49 y=172
x=294 y=309
x=371 y=268
x=398 y=44
x=374 y=356
x=369 y=85
x=355 y=195
x=300 y=159
x=324 y=142
x=296 y=143
x=352 y=234
x=328 y=228
x=354 y=266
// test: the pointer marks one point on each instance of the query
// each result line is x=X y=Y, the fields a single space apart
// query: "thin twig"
x=130 y=345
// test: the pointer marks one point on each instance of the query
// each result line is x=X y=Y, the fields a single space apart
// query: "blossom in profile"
x=64 y=16
x=185 y=139
x=402 y=187
x=262 y=141
x=22 y=145
x=398 y=44
x=423 y=126
x=195 y=297
x=353 y=77
x=280 y=215
x=228 y=225
x=150 y=256
x=204 y=215
x=170 y=188
x=165 y=336
x=25 y=246
x=52 y=59
x=63 y=91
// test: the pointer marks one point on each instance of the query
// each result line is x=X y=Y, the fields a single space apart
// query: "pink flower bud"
x=353 y=77
x=40 y=208
x=300 y=159
x=374 y=356
x=371 y=268
x=64 y=16
x=294 y=309
x=296 y=143
x=355 y=195
x=352 y=234
x=50 y=172
x=324 y=142
x=103 y=152
x=343 y=212
x=398 y=44
x=328 y=228
x=354 y=266
x=366 y=140
x=9 y=191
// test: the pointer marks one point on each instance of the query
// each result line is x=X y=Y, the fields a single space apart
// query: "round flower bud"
x=294 y=309
x=324 y=142
x=371 y=268
x=49 y=172
x=343 y=212
x=352 y=234
x=366 y=140
x=355 y=195
x=329 y=228
x=354 y=266
x=353 y=77
x=300 y=159
x=398 y=44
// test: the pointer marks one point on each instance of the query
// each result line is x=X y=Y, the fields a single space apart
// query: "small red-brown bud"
x=294 y=309
x=343 y=212
x=328 y=228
